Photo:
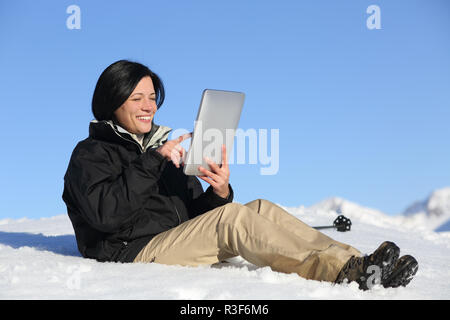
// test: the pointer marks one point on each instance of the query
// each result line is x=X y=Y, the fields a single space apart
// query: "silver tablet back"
x=217 y=120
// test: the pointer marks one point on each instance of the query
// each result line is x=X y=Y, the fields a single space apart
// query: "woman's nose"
x=148 y=104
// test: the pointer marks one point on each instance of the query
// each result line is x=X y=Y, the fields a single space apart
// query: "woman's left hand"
x=218 y=178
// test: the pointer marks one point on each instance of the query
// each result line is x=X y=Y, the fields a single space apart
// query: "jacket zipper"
x=165 y=186
x=140 y=147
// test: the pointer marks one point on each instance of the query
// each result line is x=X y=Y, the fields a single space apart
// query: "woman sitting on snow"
x=129 y=200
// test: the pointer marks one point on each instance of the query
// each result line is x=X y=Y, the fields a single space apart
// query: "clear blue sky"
x=362 y=114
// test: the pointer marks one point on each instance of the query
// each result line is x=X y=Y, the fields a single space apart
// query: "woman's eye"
x=139 y=99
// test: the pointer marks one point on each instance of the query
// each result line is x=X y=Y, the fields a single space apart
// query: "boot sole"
x=385 y=259
x=390 y=257
x=403 y=273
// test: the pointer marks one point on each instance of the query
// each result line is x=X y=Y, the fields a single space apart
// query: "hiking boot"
x=373 y=269
x=402 y=273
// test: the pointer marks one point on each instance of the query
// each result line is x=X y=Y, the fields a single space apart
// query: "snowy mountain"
x=353 y=211
x=432 y=214
x=39 y=260
x=433 y=211
x=436 y=205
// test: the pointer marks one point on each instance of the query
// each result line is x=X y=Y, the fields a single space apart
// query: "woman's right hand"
x=173 y=151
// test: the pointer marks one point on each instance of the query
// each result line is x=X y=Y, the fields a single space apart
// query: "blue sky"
x=362 y=114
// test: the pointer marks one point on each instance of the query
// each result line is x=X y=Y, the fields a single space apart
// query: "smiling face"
x=137 y=112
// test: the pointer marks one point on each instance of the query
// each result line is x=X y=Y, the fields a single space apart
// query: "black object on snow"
x=341 y=223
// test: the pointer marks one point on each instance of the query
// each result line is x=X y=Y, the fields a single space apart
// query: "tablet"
x=217 y=120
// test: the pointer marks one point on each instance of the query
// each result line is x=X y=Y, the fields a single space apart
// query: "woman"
x=129 y=201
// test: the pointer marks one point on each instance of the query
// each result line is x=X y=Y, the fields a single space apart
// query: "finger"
x=211 y=164
x=184 y=137
x=209 y=174
x=183 y=156
x=178 y=147
x=219 y=171
x=175 y=157
x=224 y=157
x=208 y=180
x=205 y=178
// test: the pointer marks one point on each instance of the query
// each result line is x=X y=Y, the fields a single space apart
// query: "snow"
x=433 y=212
x=39 y=260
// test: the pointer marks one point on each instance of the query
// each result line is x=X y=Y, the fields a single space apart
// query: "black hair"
x=115 y=85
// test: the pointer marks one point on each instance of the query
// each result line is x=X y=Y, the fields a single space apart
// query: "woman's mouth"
x=146 y=119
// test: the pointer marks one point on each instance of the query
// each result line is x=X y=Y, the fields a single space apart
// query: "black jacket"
x=119 y=197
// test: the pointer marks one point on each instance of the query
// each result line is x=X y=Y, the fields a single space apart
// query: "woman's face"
x=136 y=114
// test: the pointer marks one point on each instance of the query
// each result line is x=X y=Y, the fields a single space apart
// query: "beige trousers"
x=260 y=232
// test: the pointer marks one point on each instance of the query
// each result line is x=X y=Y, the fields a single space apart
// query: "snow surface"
x=39 y=260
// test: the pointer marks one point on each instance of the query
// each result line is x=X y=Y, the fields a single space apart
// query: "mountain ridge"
x=433 y=213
